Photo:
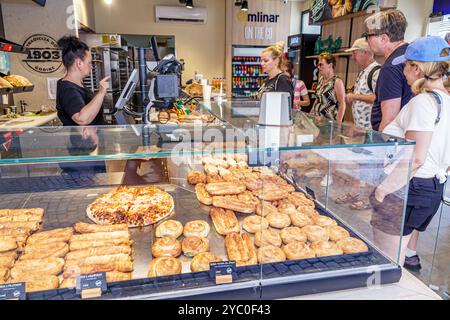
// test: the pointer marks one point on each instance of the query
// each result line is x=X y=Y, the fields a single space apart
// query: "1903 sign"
x=44 y=55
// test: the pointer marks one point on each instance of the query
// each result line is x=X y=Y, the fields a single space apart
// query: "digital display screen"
x=40 y=2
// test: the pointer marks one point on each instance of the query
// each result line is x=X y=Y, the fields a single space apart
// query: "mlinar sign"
x=258 y=17
x=258 y=32
x=44 y=56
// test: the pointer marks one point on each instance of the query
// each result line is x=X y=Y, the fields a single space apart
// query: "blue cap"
x=425 y=49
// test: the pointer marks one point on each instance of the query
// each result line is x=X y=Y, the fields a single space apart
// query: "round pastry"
x=290 y=234
x=252 y=224
x=296 y=250
x=264 y=208
x=269 y=254
x=196 y=228
x=323 y=221
x=352 y=245
x=309 y=211
x=279 y=220
x=267 y=237
x=300 y=219
x=194 y=245
x=164 y=266
x=202 y=260
x=169 y=228
x=196 y=177
x=287 y=208
x=337 y=233
x=315 y=233
x=326 y=248
x=166 y=246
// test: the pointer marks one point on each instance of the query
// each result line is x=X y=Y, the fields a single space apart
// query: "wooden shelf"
x=337 y=54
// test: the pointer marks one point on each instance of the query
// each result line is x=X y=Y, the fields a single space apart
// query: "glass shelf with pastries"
x=153 y=211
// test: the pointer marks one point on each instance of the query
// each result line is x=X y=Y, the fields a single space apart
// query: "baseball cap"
x=425 y=49
x=359 y=44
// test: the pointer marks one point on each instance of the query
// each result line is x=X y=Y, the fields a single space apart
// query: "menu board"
x=323 y=10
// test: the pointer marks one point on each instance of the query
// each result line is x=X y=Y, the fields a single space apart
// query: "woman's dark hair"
x=289 y=66
x=72 y=48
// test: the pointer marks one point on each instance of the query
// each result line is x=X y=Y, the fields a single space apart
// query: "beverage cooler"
x=299 y=47
x=247 y=74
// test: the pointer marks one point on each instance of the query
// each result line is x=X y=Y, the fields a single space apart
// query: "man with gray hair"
x=385 y=35
x=363 y=96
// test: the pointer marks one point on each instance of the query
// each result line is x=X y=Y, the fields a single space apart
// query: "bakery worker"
x=272 y=59
x=76 y=105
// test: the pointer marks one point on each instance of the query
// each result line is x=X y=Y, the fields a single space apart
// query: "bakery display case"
x=229 y=210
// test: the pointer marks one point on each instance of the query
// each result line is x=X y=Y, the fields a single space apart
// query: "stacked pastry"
x=15 y=227
x=42 y=260
x=98 y=248
x=167 y=249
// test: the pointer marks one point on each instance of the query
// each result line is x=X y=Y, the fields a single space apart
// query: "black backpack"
x=370 y=77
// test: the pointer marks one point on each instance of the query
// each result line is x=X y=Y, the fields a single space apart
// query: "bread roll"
x=51 y=250
x=196 y=228
x=101 y=236
x=99 y=251
x=323 y=221
x=166 y=246
x=240 y=249
x=297 y=250
x=255 y=223
x=234 y=204
x=99 y=260
x=55 y=235
x=192 y=246
x=82 y=227
x=225 y=188
x=202 y=195
x=81 y=245
x=326 y=248
x=270 y=254
x=202 y=261
x=169 y=228
x=300 y=219
x=49 y=266
x=225 y=221
x=267 y=237
x=279 y=221
x=337 y=233
x=290 y=234
x=164 y=266
x=315 y=233
x=352 y=245
x=265 y=208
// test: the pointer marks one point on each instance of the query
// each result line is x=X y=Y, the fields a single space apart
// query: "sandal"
x=346 y=198
x=360 y=205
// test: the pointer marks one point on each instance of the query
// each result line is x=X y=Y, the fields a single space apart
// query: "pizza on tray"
x=135 y=206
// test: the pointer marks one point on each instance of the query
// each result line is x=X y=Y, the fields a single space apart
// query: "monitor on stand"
x=123 y=115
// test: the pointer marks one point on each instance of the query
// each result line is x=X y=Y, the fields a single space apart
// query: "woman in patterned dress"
x=330 y=93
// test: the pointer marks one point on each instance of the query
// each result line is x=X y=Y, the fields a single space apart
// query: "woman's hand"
x=104 y=84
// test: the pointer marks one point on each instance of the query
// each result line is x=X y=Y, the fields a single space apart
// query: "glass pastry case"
x=226 y=210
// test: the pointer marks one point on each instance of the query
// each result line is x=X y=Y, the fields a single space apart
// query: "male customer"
x=363 y=96
x=385 y=35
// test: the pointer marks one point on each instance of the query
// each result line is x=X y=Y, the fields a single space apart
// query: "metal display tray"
x=67 y=207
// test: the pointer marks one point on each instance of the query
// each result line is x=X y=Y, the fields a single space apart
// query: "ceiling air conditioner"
x=181 y=14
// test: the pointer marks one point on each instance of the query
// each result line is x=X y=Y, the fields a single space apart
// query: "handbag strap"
x=438 y=100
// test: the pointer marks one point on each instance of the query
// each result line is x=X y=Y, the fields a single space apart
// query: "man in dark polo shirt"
x=385 y=35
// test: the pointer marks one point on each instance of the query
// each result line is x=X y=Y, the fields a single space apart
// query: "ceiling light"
x=189 y=4
x=108 y=2
x=244 y=6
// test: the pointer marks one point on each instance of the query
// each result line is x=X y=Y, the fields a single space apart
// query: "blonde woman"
x=272 y=59
x=425 y=120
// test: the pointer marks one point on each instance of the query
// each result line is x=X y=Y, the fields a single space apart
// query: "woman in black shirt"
x=76 y=105
x=271 y=63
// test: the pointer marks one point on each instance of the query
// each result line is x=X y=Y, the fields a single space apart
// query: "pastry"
x=101 y=236
x=267 y=237
x=352 y=245
x=227 y=202
x=35 y=212
x=167 y=246
x=37 y=282
x=337 y=233
x=214 y=178
x=240 y=249
x=248 y=197
x=326 y=248
x=300 y=219
x=287 y=208
x=169 y=228
x=309 y=211
x=196 y=177
x=315 y=233
x=21 y=218
x=82 y=227
x=49 y=266
x=269 y=254
x=15 y=232
x=272 y=194
x=324 y=221
x=7 y=262
x=252 y=224
x=32 y=225
x=253 y=184
x=202 y=261
x=136 y=207
x=4 y=274
x=279 y=220
x=80 y=245
x=196 y=228
x=299 y=199
x=296 y=250
x=8 y=244
x=265 y=208
x=99 y=260
x=202 y=195
x=43 y=251
x=4 y=84
x=99 y=251
x=210 y=169
x=111 y=277
x=73 y=271
x=56 y=235
x=225 y=188
x=164 y=266
x=18 y=81
x=192 y=246
x=12 y=253
x=290 y=234
x=225 y=221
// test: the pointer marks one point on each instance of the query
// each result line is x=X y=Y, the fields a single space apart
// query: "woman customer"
x=301 y=96
x=425 y=120
x=272 y=59
x=330 y=92
x=76 y=105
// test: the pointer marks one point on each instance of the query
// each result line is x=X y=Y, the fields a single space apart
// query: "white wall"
x=85 y=12
x=416 y=12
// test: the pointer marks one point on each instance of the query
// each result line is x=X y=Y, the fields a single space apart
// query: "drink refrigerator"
x=247 y=75
x=299 y=47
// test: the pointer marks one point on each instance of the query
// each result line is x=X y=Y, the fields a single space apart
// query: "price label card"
x=91 y=285
x=12 y=291
x=223 y=272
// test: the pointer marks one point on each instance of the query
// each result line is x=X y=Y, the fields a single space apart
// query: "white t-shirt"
x=420 y=114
